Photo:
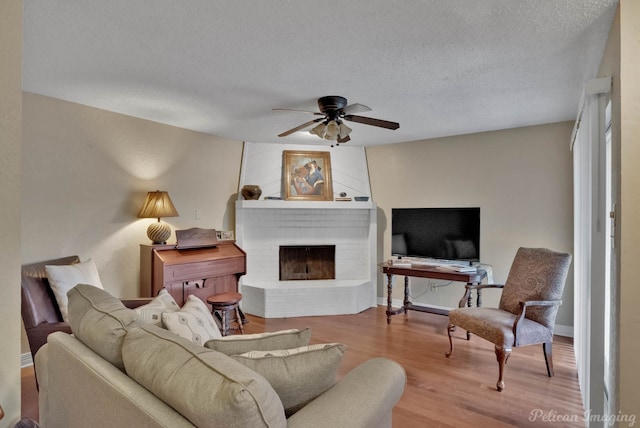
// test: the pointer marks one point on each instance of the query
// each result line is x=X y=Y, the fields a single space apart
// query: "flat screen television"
x=438 y=233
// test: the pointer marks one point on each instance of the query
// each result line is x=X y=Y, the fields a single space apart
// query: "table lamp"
x=158 y=204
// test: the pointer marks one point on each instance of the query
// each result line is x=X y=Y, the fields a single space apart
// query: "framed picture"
x=225 y=235
x=306 y=176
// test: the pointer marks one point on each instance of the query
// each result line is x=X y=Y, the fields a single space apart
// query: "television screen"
x=439 y=233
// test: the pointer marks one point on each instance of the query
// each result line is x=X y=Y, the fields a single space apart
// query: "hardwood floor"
x=29 y=392
x=440 y=392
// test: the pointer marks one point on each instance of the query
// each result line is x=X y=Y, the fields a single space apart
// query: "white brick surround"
x=261 y=232
x=262 y=226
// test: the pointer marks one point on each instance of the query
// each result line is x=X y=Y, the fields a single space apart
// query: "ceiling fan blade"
x=298 y=128
x=373 y=122
x=344 y=140
x=355 y=108
x=301 y=111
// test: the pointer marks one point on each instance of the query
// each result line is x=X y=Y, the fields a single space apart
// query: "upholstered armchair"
x=527 y=310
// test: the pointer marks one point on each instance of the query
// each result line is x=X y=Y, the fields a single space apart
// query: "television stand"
x=422 y=271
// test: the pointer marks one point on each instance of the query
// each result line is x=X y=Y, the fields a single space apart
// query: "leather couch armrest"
x=37 y=335
x=364 y=397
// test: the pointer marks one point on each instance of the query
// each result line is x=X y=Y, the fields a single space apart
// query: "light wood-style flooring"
x=440 y=392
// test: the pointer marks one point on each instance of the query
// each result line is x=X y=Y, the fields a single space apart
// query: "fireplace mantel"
x=281 y=204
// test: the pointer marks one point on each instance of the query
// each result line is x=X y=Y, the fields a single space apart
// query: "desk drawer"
x=204 y=269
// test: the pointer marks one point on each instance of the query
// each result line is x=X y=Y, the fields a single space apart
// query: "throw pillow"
x=63 y=278
x=241 y=343
x=194 y=322
x=100 y=321
x=465 y=249
x=151 y=313
x=205 y=386
x=298 y=375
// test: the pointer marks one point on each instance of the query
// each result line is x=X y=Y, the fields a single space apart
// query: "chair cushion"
x=151 y=313
x=193 y=322
x=241 y=343
x=298 y=375
x=100 y=321
x=205 y=386
x=496 y=326
x=63 y=278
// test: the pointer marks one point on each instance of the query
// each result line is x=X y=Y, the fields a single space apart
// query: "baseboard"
x=559 y=330
x=563 y=330
x=26 y=360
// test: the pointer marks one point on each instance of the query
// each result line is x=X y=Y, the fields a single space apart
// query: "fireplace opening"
x=307 y=262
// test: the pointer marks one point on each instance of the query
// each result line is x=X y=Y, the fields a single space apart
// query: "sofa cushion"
x=193 y=321
x=100 y=321
x=241 y=343
x=151 y=313
x=63 y=278
x=298 y=375
x=205 y=386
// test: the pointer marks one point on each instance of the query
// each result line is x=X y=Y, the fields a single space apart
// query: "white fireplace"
x=263 y=226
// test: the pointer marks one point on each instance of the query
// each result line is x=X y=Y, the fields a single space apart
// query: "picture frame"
x=306 y=176
x=225 y=235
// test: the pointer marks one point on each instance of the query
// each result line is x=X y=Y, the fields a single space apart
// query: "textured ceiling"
x=439 y=67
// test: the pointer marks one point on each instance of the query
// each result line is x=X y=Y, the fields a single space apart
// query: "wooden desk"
x=427 y=272
x=201 y=272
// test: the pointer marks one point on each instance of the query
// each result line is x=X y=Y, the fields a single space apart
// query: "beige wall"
x=520 y=178
x=10 y=147
x=87 y=171
x=629 y=230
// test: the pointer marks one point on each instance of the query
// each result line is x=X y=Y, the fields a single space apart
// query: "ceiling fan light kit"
x=334 y=108
x=331 y=130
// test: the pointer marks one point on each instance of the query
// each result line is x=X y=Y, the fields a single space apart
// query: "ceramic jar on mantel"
x=251 y=192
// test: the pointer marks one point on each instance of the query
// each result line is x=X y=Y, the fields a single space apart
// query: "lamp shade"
x=344 y=130
x=332 y=130
x=157 y=204
x=319 y=130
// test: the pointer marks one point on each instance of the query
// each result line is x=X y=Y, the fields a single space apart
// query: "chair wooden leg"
x=239 y=320
x=502 y=355
x=548 y=357
x=450 y=329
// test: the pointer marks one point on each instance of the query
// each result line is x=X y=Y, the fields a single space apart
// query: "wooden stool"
x=225 y=308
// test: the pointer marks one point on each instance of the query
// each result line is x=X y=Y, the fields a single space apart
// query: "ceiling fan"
x=334 y=109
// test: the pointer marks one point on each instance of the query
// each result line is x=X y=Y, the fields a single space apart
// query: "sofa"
x=115 y=369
